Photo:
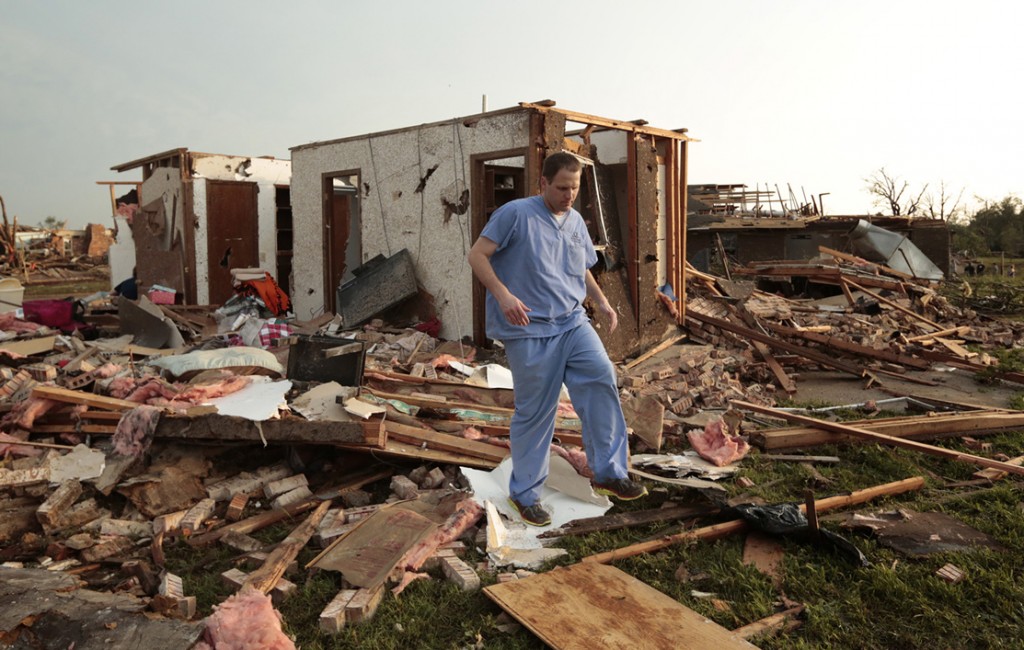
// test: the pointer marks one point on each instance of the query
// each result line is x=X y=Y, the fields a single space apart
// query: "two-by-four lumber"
x=626 y=520
x=775 y=342
x=254 y=523
x=718 y=531
x=860 y=260
x=332 y=618
x=235 y=578
x=769 y=624
x=267 y=575
x=997 y=474
x=894 y=305
x=433 y=440
x=79 y=397
x=930 y=426
x=851 y=347
x=879 y=437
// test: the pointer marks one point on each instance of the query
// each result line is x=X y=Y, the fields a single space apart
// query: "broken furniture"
x=378 y=284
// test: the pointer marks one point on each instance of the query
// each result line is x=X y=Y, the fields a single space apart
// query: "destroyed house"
x=425 y=192
x=200 y=215
x=749 y=239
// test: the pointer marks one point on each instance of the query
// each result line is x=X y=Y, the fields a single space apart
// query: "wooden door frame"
x=326 y=209
x=478 y=220
x=255 y=234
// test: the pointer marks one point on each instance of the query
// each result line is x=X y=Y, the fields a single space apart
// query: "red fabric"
x=431 y=327
x=271 y=331
x=273 y=296
x=58 y=314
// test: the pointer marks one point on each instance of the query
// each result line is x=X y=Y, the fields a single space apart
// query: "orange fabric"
x=269 y=292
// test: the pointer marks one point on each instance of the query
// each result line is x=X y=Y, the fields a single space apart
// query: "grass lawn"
x=896 y=602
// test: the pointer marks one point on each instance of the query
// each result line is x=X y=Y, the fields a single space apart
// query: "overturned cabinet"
x=201 y=215
x=430 y=189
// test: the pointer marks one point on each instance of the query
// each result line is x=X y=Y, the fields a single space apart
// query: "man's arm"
x=480 y=261
x=597 y=296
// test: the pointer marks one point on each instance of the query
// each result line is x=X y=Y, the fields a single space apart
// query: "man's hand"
x=514 y=310
x=613 y=317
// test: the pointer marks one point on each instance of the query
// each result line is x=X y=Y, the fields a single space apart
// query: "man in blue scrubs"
x=533 y=257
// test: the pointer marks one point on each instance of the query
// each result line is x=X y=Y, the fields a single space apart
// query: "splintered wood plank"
x=268 y=575
x=370 y=552
x=949 y=454
x=78 y=397
x=594 y=606
x=997 y=474
x=646 y=416
x=409 y=450
x=430 y=439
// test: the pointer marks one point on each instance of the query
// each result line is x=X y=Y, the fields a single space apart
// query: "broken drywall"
x=394 y=215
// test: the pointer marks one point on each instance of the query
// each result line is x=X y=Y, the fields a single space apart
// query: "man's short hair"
x=559 y=161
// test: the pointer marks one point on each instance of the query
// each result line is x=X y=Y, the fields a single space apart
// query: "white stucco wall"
x=122 y=252
x=396 y=216
x=266 y=173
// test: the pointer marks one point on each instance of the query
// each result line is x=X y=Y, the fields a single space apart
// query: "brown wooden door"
x=336 y=231
x=232 y=234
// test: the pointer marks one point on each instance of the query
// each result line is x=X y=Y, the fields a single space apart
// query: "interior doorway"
x=341 y=232
x=497 y=178
x=232 y=239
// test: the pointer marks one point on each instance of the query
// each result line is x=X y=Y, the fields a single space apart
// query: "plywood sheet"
x=370 y=552
x=592 y=606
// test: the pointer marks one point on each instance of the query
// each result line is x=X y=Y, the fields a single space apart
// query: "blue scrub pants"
x=539 y=367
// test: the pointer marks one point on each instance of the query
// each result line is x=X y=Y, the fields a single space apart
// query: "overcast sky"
x=818 y=95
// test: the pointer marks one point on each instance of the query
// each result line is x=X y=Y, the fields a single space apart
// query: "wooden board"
x=914 y=427
x=79 y=397
x=29 y=346
x=282 y=430
x=430 y=439
x=370 y=552
x=593 y=606
x=406 y=450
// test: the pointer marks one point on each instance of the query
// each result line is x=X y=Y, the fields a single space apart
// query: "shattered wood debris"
x=114 y=451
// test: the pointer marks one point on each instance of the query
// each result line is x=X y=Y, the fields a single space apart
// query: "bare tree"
x=888 y=192
x=943 y=206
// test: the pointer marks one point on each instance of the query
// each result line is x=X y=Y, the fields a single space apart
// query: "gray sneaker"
x=535 y=515
x=623 y=489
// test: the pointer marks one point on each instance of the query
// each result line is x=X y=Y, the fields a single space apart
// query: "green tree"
x=53 y=223
x=966 y=239
x=1001 y=225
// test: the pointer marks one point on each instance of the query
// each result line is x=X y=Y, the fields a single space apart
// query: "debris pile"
x=200 y=426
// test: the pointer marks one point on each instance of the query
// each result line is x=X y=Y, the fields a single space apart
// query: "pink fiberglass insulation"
x=9 y=445
x=135 y=430
x=716 y=445
x=245 y=621
x=9 y=323
x=576 y=457
x=152 y=389
x=466 y=513
x=106 y=371
x=204 y=392
x=407 y=579
x=24 y=414
x=566 y=410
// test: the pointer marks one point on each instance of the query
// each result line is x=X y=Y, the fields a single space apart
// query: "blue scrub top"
x=542 y=263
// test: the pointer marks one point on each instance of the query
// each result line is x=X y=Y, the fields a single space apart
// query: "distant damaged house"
x=200 y=215
x=429 y=189
x=756 y=226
